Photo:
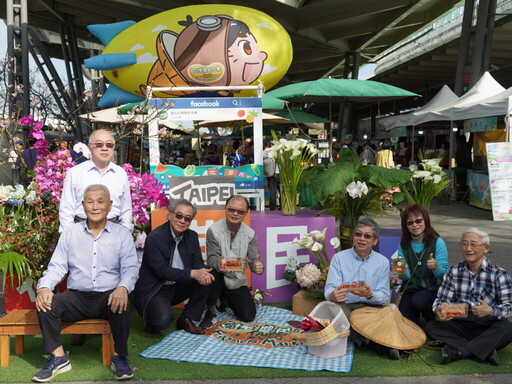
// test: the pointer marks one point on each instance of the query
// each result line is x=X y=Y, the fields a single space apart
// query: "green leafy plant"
x=349 y=190
x=428 y=181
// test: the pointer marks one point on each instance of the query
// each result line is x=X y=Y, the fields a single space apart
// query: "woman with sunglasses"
x=427 y=261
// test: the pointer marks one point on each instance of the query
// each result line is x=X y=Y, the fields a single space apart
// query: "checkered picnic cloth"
x=183 y=346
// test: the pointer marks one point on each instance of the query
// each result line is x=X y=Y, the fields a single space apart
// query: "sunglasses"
x=179 y=216
x=100 y=144
x=238 y=211
x=367 y=236
x=411 y=222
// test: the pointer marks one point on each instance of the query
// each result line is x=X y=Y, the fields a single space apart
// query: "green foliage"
x=13 y=263
x=348 y=190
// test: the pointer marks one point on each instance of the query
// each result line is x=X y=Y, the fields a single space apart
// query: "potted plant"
x=348 y=190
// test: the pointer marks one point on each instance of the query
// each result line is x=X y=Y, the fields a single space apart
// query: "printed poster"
x=499 y=163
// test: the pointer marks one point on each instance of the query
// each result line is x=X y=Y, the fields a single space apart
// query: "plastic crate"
x=331 y=341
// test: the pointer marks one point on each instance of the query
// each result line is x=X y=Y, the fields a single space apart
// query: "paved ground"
x=449 y=220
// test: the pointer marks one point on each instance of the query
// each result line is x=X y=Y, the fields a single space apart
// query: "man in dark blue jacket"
x=172 y=271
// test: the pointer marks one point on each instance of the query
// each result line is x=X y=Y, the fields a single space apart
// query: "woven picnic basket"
x=332 y=340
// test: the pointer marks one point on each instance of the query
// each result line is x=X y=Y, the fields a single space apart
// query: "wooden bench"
x=24 y=322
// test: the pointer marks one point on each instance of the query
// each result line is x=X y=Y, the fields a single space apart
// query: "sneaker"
x=209 y=319
x=54 y=366
x=121 y=367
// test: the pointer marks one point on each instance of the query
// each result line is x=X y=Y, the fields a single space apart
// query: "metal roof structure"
x=324 y=33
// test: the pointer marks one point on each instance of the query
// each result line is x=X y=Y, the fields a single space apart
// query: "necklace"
x=420 y=257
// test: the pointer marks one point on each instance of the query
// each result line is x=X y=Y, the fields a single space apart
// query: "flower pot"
x=19 y=297
x=289 y=199
x=23 y=296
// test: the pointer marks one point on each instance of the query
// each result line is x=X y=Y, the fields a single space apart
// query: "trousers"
x=481 y=336
x=159 y=309
x=239 y=300
x=72 y=305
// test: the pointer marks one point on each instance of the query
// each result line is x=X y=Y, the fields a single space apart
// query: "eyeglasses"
x=367 y=236
x=411 y=222
x=238 y=211
x=100 y=144
x=180 y=216
x=465 y=244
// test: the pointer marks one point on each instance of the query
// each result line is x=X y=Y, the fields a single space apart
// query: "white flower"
x=413 y=167
x=295 y=154
x=353 y=190
x=306 y=241
x=5 y=191
x=362 y=187
x=316 y=246
x=319 y=235
x=308 y=276
x=437 y=179
x=335 y=242
x=291 y=264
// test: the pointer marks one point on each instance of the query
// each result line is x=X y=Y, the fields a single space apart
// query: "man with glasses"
x=172 y=271
x=360 y=264
x=98 y=170
x=486 y=289
x=231 y=240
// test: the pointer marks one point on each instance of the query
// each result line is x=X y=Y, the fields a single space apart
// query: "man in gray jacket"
x=229 y=242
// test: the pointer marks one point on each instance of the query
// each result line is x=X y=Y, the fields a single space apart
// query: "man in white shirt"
x=98 y=170
x=103 y=268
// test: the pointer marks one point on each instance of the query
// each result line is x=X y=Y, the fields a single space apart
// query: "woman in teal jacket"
x=427 y=261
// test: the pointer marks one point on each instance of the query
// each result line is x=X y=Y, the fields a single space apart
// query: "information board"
x=499 y=163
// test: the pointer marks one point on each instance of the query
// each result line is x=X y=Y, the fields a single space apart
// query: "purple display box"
x=388 y=242
x=275 y=234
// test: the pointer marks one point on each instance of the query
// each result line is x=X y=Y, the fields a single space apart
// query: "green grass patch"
x=86 y=362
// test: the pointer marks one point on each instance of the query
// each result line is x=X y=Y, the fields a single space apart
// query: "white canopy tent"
x=484 y=89
x=443 y=97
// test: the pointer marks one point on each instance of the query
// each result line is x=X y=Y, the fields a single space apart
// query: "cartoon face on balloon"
x=212 y=51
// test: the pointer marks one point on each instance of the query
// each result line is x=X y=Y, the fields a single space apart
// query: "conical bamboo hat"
x=387 y=326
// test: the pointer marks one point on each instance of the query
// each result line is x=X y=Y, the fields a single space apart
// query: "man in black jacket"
x=172 y=271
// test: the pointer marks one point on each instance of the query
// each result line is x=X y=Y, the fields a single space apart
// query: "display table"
x=275 y=235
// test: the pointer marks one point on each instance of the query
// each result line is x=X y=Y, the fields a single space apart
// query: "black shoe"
x=121 y=366
x=209 y=319
x=450 y=354
x=77 y=340
x=493 y=358
x=394 y=354
x=150 y=329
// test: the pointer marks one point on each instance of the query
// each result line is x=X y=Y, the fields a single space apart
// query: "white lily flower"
x=437 y=179
x=413 y=167
x=335 y=242
x=319 y=235
x=295 y=153
x=316 y=247
x=428 y=177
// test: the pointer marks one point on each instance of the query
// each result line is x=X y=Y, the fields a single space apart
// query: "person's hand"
x=432 y=263
x=118 y=300
x=481 y=310
x=44 y=300
x=203 y=276
x=338 y=295
x=442 y=315
x=366 y=292
x=258 y=266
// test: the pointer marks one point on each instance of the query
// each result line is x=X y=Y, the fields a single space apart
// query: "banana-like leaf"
x=336 y=177
x=384 y=177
